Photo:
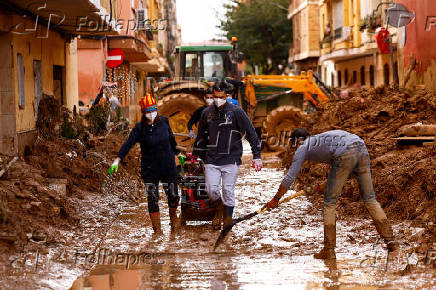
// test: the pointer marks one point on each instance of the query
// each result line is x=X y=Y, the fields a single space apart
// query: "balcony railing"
x=342 y=32
x=338 y=33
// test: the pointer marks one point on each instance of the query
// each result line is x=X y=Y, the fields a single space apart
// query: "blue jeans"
x=355 y=159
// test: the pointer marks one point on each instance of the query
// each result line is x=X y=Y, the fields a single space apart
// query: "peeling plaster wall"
x=50 y=49
x=419 y=53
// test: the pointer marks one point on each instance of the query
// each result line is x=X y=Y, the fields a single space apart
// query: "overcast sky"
x=198 y=19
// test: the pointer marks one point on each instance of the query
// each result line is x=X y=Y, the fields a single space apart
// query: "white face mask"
x=219 y=102
x=151 y=115
x=209 y=102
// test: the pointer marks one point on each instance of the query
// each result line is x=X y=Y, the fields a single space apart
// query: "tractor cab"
x=209 y=63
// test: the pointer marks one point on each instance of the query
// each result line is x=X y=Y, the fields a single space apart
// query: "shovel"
x=228 y=227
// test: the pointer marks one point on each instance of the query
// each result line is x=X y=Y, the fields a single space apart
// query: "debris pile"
x=403 y=174
x=42 y=190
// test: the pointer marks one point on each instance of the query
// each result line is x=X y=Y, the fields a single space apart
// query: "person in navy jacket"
x=158 y=147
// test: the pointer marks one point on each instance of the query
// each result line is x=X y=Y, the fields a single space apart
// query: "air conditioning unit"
x=141 y=18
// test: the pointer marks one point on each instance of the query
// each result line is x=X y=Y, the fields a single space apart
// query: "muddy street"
x=272 y=250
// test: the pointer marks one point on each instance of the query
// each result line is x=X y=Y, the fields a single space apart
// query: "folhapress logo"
x=55 y=18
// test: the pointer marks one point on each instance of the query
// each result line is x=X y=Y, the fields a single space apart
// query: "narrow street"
x=272 y=250
x=101 y=99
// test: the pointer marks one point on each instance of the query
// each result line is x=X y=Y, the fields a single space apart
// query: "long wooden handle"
x=297 y=194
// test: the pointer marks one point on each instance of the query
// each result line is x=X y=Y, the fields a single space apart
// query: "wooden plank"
x=417 y=138
x=418 y=130
x=8 y=166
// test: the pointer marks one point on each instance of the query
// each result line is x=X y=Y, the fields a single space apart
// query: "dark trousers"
x=170 y=185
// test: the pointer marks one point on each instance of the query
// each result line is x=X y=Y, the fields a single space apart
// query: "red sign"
x=114 y=57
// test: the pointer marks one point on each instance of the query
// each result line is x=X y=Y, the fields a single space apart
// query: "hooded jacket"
x=220 y=134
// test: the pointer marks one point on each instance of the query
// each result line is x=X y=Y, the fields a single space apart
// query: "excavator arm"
x=303 y=83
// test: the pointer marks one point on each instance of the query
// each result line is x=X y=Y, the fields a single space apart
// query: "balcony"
x=67 y=15
x=338 y=33
x=326 y=44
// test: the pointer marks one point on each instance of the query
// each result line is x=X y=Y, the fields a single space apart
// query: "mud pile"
x=403 y=175
x=40 y=194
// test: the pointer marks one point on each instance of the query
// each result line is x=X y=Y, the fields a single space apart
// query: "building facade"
x=348 y=50
x=142 y=36
x=304 y=51
x=39 y=56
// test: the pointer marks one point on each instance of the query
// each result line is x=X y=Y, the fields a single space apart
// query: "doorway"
x=37 y=83
x=58 y=83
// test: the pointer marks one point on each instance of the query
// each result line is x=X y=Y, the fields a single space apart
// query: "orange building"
x=139 y=24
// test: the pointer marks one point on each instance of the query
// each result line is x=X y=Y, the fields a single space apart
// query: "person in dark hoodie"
x=158 y=147
x=219 y=143
x=195 y=118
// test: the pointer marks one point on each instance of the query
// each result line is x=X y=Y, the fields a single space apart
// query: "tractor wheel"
x=178 y=108
x=279 y=125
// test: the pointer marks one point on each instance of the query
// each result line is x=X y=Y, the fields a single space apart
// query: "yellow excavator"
x=278 y=104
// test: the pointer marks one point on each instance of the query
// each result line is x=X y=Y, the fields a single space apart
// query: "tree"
x=263 y=30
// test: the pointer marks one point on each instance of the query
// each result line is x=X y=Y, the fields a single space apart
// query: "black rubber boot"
x=227 y=215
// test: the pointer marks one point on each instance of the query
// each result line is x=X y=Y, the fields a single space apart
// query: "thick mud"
x=96 y=234
x=114 y=248
x=272 y=250
x=403 y=173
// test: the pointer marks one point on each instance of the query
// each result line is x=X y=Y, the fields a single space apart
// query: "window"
x=192 y=65
x=339 y=79
x=354 y=77
x=20 y=68
x=362 y=75
x=338 y=14
x=324 y=77
x=386 y=74
x=346 y=77
x=396 y=70
x=58 y=83
x=213 y=65
x=332 y=80
x=371 y=76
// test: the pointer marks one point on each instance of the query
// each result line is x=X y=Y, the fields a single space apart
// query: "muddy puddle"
x=273 y=250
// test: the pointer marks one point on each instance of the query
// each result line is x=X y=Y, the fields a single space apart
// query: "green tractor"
x=197 y=67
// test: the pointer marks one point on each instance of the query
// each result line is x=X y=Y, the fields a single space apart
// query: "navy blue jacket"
x=195 y=118
x=158 y=147
x=220 y=134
